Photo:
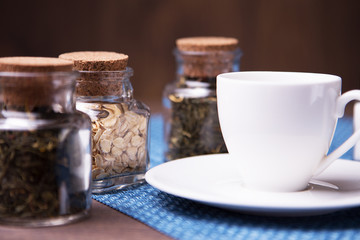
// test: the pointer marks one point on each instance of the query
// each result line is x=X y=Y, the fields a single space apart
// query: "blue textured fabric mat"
x=184 y=219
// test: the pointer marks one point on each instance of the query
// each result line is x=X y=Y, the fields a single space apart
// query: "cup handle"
x=351 y=141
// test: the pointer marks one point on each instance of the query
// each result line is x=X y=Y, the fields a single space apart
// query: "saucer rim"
x=273 y=209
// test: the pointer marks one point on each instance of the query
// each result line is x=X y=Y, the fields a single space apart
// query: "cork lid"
x=28 y=82
x=205 y=44
x=206 y=57
x=96 y=60
x=34 y=64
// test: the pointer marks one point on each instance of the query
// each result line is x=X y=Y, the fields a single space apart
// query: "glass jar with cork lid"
x=119 y=122
x=191 y=120
x=45 y=162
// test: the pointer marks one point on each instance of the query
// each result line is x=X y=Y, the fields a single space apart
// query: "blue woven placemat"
x=184 y=219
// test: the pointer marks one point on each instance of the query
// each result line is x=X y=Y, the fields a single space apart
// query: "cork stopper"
x=100 y=72
x=34 y=64
x=206 y=57
x=96 y=60
x=206 y=44
x=27 y=82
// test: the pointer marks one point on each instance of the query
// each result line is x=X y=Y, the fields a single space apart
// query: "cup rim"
x=278 y=78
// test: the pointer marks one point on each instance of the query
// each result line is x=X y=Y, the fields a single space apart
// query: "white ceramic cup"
x=278 y=126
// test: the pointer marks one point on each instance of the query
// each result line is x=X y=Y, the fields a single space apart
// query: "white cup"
x=278 y=126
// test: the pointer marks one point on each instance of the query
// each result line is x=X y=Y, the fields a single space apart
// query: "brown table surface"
x=104 y=223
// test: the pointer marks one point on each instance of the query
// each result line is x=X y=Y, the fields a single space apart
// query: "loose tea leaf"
x=35 y=170
x=194 y=127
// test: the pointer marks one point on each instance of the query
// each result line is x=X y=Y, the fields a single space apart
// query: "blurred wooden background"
x=298 y=35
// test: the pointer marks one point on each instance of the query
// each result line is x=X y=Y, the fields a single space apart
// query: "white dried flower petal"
x=131 y=152
x=116 y=151
x=141 y=154
x=105 y=145
x=119 y=169
x=108 y=167
x=118 y=163
x=124 y=126
x=127 y=138
x=99 y=161
x=112 y=117
x=108 y=131
x=108 y=122
x=97 y=135
x=112 y=109
x=132 y=164
x=118 y=166
x=125 y=159
x=119 y=142
x=142 y=125
x=132 y=119
x=109 y=158
x=131 y=116
x=137 y=141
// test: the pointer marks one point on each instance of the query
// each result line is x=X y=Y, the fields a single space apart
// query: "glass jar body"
x=191 y=120
x=119 y=129
x=45 y=172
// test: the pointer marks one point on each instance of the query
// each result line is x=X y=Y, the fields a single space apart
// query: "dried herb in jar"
x=194 y=127
x=33 y=167
x=27 y=161
x=118 y=139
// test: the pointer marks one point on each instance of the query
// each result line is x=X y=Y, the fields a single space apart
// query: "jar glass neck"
x=107 y=85
x=48 y=92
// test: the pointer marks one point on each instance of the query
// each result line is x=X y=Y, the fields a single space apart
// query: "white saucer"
x=209 y=179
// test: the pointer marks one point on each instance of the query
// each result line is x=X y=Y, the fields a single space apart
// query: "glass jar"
x=191 y=120
x=45 y=162
x=119 y=128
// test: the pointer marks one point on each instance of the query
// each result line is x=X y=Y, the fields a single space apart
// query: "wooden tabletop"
x=104 y=223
